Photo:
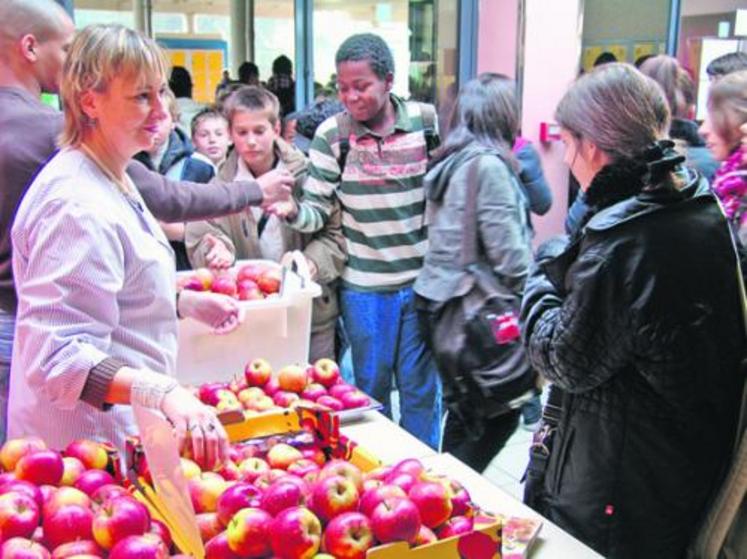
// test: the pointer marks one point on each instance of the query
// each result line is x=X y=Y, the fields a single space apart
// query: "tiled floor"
x=508 y=466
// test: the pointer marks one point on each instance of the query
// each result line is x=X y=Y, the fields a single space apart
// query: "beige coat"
x=239 y=233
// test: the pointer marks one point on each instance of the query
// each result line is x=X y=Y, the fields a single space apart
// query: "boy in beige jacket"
x=254 y=125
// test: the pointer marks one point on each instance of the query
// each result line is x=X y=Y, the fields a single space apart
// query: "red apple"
x=229 y=471
x=315 y=454
x=269 y=281
x=15 y=449
x=161 y=530
x=403 y=480
x=337 y=390
x=345 y=469
x=204 y=276
x=251 y=468
x=455 y=526
x=26 y=487
x=425 y=536
x=250 y=272
x=349 y=536
x=313 y=391
x=227 y=400
x=93 y=455
x=118 y=518
x=354 y=399
x=283 y=455
x=271 y=386
x=330 y=402
x=326 y=372
x=72 y=468
x=461 y=501
x=7 y=477
x=41 y=467
x=281 y=495
x=209 y=525
x=284 y=399
x=248 y=290
x=144 y=546
x=204 y=491
x=250 y=394
x=433 y=502
x=217 y=548
x=224 y=284
x=19 y=515
x=237 y=384
x=109 y=491
x=22 y=548
x=90 y=480
x=268 y=478
x=292 y=378
x=304 y=467
x=76 y=549
x=249 y=533
x=190 y=468
x=209 y=392
x=257 y=372
x=396 y=519
x=411 y=466
x=333 y=495
x=295 y=534
x=65 y=496
x=237 y=497
x=371 y=499
x=67 y=523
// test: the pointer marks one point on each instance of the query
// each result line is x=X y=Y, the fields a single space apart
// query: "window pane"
x=274 y=35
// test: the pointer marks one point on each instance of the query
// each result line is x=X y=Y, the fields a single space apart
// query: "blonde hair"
x=173 y=107
x=727 y=105
x=98 y=54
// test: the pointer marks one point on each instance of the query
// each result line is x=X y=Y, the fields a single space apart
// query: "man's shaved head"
x=41 y=18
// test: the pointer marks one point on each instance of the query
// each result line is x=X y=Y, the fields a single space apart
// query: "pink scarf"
x=730 y=185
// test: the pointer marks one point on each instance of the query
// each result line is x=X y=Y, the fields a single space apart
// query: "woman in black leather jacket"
x=637 y=319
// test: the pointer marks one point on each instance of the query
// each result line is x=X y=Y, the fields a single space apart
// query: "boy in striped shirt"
x=372 y=158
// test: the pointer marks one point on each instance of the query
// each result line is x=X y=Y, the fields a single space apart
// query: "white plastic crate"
x=277 y=329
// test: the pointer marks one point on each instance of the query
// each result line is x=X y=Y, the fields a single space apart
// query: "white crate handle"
x=296 y=262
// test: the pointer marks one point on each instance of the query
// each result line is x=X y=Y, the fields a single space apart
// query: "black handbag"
x=475 y=337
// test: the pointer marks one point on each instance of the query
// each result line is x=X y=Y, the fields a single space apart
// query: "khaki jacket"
x=239 y=232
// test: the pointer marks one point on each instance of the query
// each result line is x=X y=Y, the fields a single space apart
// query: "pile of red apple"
x=258 y=390
x=249 y=282
x=63 y=505
x=291 y=504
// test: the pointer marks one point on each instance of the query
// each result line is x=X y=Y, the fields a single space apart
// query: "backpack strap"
x=344 y=128
x=428 y=113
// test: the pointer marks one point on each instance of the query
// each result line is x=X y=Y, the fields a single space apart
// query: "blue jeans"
x=386 y=340
x=7 y=332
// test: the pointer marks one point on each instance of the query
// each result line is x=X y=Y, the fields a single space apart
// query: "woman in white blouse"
x=97 y=314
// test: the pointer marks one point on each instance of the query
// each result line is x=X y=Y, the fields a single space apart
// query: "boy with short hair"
x=210 y=135
x=373 y=158
x=254 y=127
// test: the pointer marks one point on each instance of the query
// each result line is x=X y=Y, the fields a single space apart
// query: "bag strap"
x=344 y=127
x=428 y=113
x=469 y=217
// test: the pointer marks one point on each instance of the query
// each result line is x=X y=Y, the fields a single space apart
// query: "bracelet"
x=178 y=294
x=149 y=390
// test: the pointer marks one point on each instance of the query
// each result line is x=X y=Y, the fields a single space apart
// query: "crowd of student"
x=634 y=317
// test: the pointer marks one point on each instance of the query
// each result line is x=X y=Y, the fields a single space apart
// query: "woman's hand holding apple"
x=221 y=312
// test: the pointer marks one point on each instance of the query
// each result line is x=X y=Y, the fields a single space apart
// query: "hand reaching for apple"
x=276 y=186
x=218 y=256
x=197 y=426
x=221 y=312
x=287 y=210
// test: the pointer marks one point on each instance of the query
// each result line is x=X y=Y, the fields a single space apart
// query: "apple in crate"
x=217 y=548
x=28 y=488
x=65 y=496
x=249 y=533
x=433 y=502
x=41 y=467
x=281 y=495
x=349 y=536
x=330 y=402
x=354 y=399
x=68 y=523
x=425 y=536
x=411 y=466
x=339 y=389
x=15 y=449
x=313 y=392
x=269 y=281
x=23 y=548
x=239 y=496
x=345 y=469
x=90 y=480
x=93 y=455
x=145 y=546
x=326 y=372
x=209 y=525
x=332 y=496
x=225 y=285
x=205 y=277
x=250 y=272
x=257 y=372
x=119 y=518
x=161 y=530
x=109 y=491
x=396 y=519
x=251 y=468
x=292 y=378
x=204 y=490
x=72 y=469
x=19 y=515
x=248 y=290
x=209 y=393
x=80 y=548
x=295 y=532
x=371 y=498
x=304 y=467
x=455 y=526
x=284 y=399
x=283 y=455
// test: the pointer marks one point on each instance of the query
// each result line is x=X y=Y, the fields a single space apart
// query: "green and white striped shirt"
x=381 y=196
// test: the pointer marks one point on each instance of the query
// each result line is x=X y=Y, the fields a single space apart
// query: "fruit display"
x=259 y=390
x=57 y=505
x=249 y=282
x=292 y=496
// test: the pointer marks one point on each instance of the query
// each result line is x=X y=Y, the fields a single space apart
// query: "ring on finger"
x=210 y=427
